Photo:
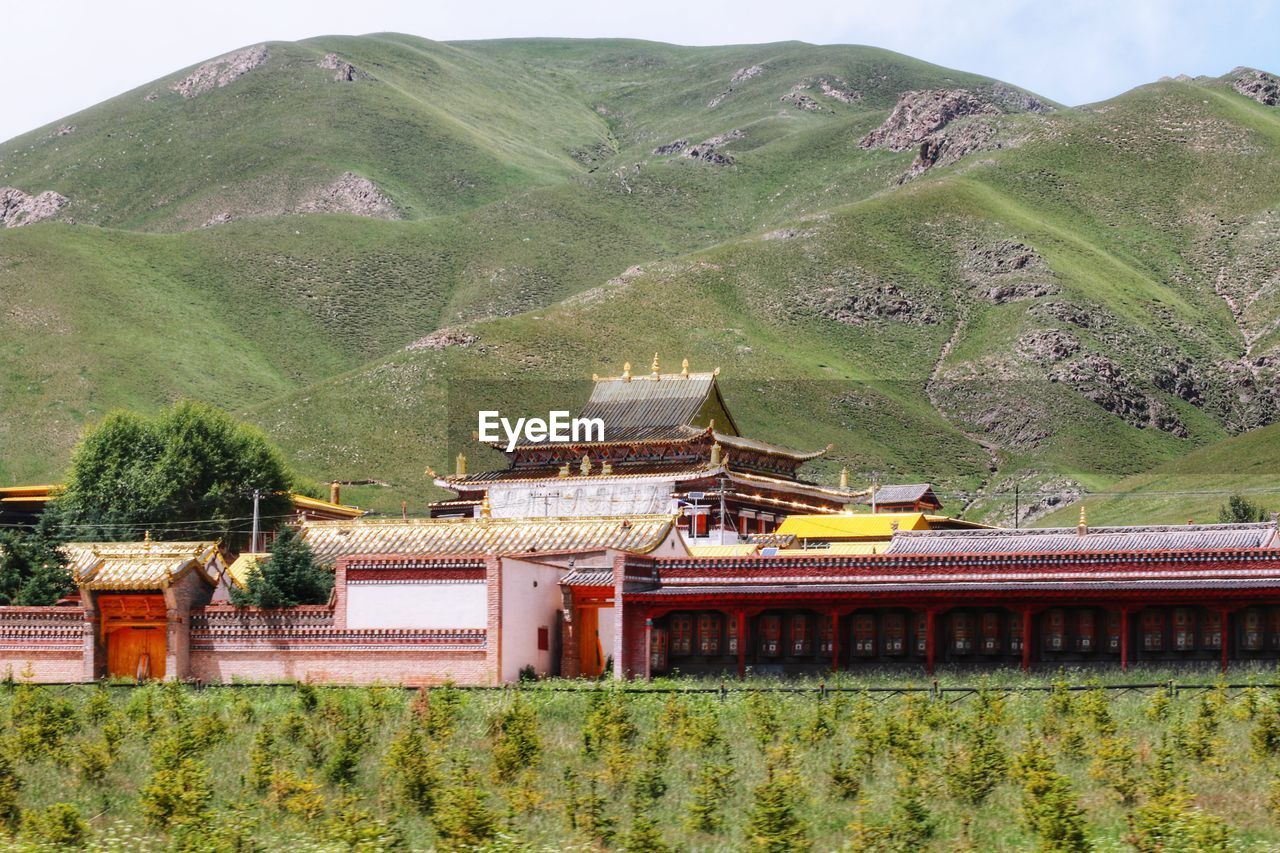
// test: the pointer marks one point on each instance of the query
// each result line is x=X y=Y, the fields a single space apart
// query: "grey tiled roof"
x=1065 y=540
x=588 y=577
x=899 y=493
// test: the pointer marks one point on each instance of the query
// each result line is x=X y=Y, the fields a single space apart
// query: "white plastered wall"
x=457 y=604
x=531 y=599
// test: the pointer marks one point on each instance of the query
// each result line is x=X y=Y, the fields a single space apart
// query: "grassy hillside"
x=1193 y=487
x=1085 y=295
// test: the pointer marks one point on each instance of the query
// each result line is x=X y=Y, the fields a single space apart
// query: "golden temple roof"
x=638 y=534
x=240 y=568
x=141 y=565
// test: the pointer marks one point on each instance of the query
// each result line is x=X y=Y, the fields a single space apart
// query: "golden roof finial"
x=585 y=466
x=1083 y=526
x=595 y=377
x=715 y=455
x=486 y=511
x=844 y=478
x=461 y=469
x=654 y=370
x=684 y=367
x=146 y=537
x=564 y=470
x=626 y=371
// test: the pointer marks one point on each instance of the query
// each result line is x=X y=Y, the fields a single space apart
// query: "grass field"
x=579 y=766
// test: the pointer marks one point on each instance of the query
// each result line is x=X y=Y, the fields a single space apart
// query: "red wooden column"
x=930 y=641
x=647 y=672
x=1226 y=634
x=741 y=616
x=1124 y=639
x=1026 y=640
x=835 y=640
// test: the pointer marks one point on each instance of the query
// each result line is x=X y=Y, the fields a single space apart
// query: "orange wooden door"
x=136 y=652
x=590 y=653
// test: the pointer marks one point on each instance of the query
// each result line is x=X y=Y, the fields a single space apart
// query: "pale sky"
x=62 y=56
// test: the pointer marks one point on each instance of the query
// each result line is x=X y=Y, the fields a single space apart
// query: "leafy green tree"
x=33 y=568
x=58 y=826
x=190 y=467
x=1240 y=510
x=774 y=824
x=290 y=576
x=1049 y=806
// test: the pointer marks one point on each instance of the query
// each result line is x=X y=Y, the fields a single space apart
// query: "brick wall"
x=303 y=643
x=42 y=644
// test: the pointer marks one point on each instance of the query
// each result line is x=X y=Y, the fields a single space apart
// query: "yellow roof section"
x=854 y=548
x=741 y=549
x=140 y=565
x=878 y=525
x=638 y=534
x=239 y=569
x=307 y=504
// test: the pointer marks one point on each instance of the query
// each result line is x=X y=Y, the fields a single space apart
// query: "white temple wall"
x=409 y=604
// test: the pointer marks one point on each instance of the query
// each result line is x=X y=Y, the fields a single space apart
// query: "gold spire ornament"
x=626 y=371
x=844 y=479
x=460 y=467
x=486 y=511
x=684 y=368
x=585 y=466
x=654 y=370
x=715 y=455
x=1083 y=526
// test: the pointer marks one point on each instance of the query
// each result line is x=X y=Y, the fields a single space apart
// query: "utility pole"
x=253 y=544
x=722 y=512
x=1015 y=506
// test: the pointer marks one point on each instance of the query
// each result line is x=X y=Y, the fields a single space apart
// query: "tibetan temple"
x=670 y=444
x=673 y=545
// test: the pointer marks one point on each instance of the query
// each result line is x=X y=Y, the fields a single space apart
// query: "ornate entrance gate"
x=134 y=628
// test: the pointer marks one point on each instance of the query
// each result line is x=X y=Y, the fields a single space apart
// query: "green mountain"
x=355 y=240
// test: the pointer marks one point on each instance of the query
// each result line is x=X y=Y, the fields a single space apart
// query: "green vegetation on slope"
x=1080 y=300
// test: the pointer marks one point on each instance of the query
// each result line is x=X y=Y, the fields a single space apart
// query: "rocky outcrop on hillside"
x=1007 y=271
x=947 y=146
x=351 y=194
x=18 y=208
x=918 y=114
x=744 y=74
x=443 y=339
x=839 y=90
x=1013 y=100
x=854 y=299
x=219 y=72
x=706 y=151
x=343 y=71
x=801 y=101
x=1047 y=347
x=1258 y=85
x=1102 y=381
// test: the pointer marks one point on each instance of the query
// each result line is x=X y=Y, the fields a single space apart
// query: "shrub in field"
x=262 y=756
x=608 y=733
x=1049 y=806
x=412 y=761
x=592 y=814
x=308 y=698
x=1114 y=762
x=911 y=825
x=177 y=793
x=643 y=836
x=41 y=721
x=296 y=795
x=763 y=718
x=58 y=826
x=141 y=709
x=1167 y=820
x=462 y=817
x=1264 y=739
x=516 y=745
x=1157 y=710
x=694 y=728
x=10 y=786
x=92 y=761
x=344 y=758
x=354 y=827
x=1094 y=707
x=774 y=823
x=1200 y=739
x=710 y=790
x=436 y=712
x=98 y=708
x=975 y=765
x=846 y=777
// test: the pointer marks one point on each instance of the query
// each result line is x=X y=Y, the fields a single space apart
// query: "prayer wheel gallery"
x=665 y=542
